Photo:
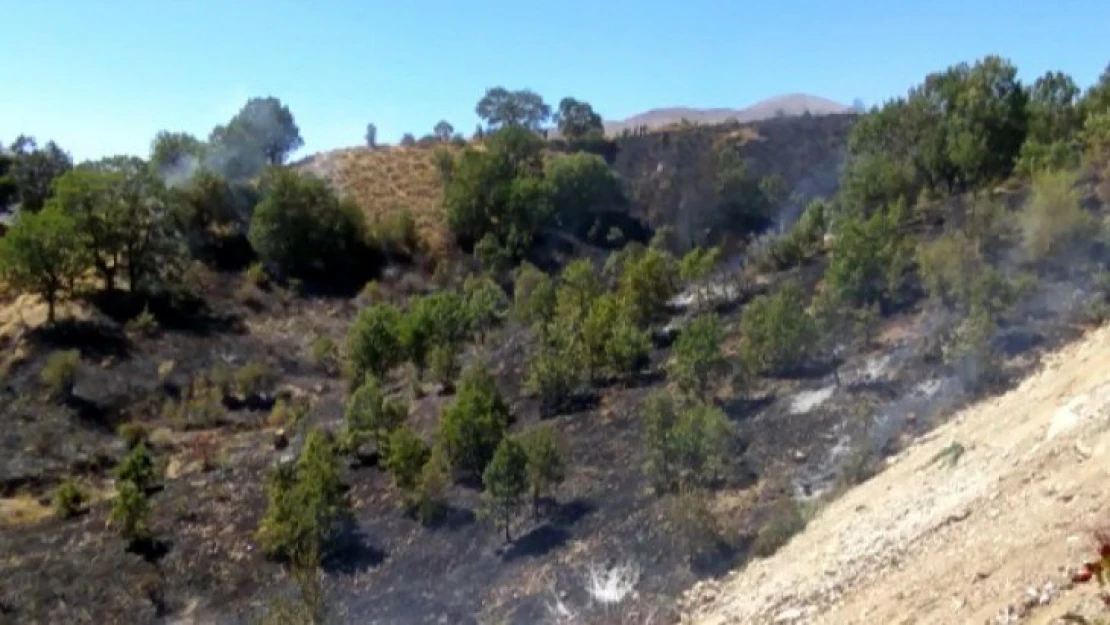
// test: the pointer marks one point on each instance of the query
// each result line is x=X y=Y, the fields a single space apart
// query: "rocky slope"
x=984 y=520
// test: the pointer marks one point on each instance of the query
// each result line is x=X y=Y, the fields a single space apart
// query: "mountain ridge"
x=789 y=104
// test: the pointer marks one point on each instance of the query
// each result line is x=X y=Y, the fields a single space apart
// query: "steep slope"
x=993 y=537
x=788 y=104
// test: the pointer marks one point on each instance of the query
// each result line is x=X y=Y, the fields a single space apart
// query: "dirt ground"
x=993 y=538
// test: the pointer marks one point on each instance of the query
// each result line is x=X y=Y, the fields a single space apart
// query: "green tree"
x=696 y=266
x=628 y=346
x=301 y=228
x=546 y=466
x=686 y=445
x=305 y=503
x=946 y=266
x=1054 y=121
x=777 y=335
x=1052 y=218
x=434 y=480
x=697 y=362
x=176 y=156
x=406 y=459
x=138 y=468
x=579 y=286
x=89 y=194
x=42 y=254
x=582 y=185
x=443 y=131
x=534 y=295
x=371 y=136
x=474 y=423
x=506 y=481
x=131 y=512
x=266 y=126
x=576 y=119
x=374 y=344
x=34 y=170
x=371 y=416
x=555 y=371
x=648 y=281
x=486 y=304
x=524 y=108
x=437 y=319
x=871 y=258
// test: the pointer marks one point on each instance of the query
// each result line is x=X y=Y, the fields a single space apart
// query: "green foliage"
x=970 y=349
x=647 y=282
x=372 y=417
x=627 y=345
x=443 y=362
x=302 y=229
x=440 y=318
x=255 y=379
x=68 y=498
x=486 y=304
x=144 y=323
x=555 y=372
x=262 y=133
x=131 y=512
x=33 y=170
x=431 y=489
x=697 y=362
x=777 y=335
x=872 y=258
x=324 y=353
x=697 y=264
x=1052 y=220
x=523 y=109
x=374 y=344
x=1095 y=137
x=474 y=423
x=506 y=481
x=499 y=192
x=305 y=503
x=784 y=520
x=946 y=265
x=576 y=119
x=744 y=202
x=582 y=185
x=686 y=445
x=175 y=155
x=579 y=286
x=405 y=460
x=533 y=295
x=59 y=375
x=1054 y=121
x=138 y=468
x=792 y=248
x=42 y=254
x=546 y=466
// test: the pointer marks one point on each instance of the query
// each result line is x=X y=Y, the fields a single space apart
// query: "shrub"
x=783 y=522
x=970 y=350
x=474 y=423
x=288 y=414
x=1052 y=219
x=694 y=527
x=305 y=503
x=871 y=258
x=59 y=375
x=68 y=498
x=435 y=478
x=138 y=468
x=687 y=446
x=256 y=275
x=436 y=319
x=133 y=433
x=303 y=229
x=697 y=360
x=374 y=344
x=371 y=416
x=534 y=295
x=777 y=335
x=546 y=466
x=405 y=461
x=579 y=286
x=555 y=372
x=254 y=379
x=628 y=347
x=144 y=323
x=945 y=266
x=648 y=281
x=506 y=481
x=324 y=353
x=131 y=512
x=444 y=365
x=486 y=304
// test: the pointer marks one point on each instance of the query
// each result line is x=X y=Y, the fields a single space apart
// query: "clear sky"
x=103 y=76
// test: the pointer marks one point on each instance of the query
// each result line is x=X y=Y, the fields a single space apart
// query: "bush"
x=546 y=465
x=434 y=480
x=555 y=371
x=436 y=319
x=506 y=481
x=1052 y=219
x=303 y=229
x=784 y=521
x=486 y=304
x=648 y=281
x=697 y=362
x=131 y=512
x=871 y=258
x=946 y=265
x=254 y=379
x=138 y=468
x=143 y=324
x=474 y=423
x=324 y=353
x=288 y=414
x=374 y=344
x=68 y=498
x=534 y=294
x=371 y=416
x=627 y=348
x=444 y=364
x=687 y=446
x=256 y=275
x=777 y=335
x=305 y=504
x=59 y=375
x=133 y=433
x=405 y=461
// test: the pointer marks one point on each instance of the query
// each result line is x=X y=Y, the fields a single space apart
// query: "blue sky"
x=101 y=77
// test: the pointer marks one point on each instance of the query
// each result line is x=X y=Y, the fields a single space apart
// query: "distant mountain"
x=789 y=104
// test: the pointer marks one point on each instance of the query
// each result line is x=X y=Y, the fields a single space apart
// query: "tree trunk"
x=508 y=536
x=50 y=299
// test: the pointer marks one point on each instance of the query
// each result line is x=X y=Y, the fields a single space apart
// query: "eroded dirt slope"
x=992 y=538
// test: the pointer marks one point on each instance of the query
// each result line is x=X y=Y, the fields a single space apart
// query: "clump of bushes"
x=777 y=334
x=697 y=362
x=59 y=375
x=687 y=444
x=68 y=498
x=474 y=423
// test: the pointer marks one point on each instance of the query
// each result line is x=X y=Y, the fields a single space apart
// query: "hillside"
x=991 y=536
x=788 y=105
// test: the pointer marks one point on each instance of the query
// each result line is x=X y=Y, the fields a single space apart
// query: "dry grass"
x=387 y=181
x=22 y=510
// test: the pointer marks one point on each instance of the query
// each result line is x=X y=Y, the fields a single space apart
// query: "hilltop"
x=788 y=105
